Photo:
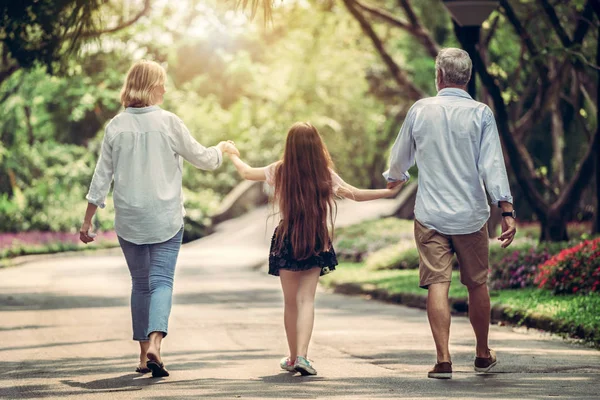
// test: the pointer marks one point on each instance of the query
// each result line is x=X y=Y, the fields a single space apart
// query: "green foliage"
x=70 y=109
x=55 y=179
x=227 y=80
x=44 y=31
x=199 y=206
x=356 y=241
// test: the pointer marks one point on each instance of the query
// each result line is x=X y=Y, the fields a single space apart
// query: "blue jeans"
x=152 y=267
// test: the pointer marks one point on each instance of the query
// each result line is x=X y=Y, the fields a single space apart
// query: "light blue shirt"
x=143 y=149
x=455 y=142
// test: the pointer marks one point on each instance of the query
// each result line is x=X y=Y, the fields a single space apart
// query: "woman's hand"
x=228 y=147
x=84 y=233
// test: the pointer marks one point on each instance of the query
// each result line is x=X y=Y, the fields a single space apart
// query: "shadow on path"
x=46 y=345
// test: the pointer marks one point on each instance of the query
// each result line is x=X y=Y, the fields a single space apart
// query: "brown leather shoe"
x=441 y=370
x=485 y=364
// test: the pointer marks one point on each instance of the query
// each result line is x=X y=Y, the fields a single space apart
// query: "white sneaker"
x=304 y=366
x=286 y=364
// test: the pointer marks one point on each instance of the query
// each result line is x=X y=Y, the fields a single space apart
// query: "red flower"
x=571 y=270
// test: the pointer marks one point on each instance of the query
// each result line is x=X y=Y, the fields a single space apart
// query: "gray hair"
x=455 y=66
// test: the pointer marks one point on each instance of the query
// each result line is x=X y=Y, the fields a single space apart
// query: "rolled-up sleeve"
x=103 y=175
x=402 y=156
x=184 y=144
x=491 y=162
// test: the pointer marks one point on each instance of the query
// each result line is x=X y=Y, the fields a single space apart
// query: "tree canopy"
x=352 y=67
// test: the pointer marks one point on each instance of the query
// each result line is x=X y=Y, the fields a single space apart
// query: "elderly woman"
x=143 y=150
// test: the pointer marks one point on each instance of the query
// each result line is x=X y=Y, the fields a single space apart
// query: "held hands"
x=509 y=228
x=396 y=184
x=393 y=188
x=84 y=233
x=228 y=148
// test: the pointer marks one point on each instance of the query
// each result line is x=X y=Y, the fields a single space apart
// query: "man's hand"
x=392 y=185
x=509 y=228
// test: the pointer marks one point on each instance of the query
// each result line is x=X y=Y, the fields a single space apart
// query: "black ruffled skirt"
x=284 y=259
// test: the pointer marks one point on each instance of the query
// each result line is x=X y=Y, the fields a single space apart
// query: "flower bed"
x=518 y=269
x=573 y=270
x=17 y=244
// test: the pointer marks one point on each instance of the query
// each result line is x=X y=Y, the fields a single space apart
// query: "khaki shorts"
x=436 y=251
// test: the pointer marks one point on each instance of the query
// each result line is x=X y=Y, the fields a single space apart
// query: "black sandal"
x=142 y=370
x=158 y=369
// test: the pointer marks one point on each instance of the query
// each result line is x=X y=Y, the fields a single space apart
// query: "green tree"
x=48 y=32
x=541 y=91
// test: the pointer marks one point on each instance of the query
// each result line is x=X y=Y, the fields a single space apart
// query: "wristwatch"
x=512 y=213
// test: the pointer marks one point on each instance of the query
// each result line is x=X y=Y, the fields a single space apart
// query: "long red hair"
x=303 y=190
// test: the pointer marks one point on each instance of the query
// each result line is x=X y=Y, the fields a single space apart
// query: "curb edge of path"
x=460 y=306
x=31 y=258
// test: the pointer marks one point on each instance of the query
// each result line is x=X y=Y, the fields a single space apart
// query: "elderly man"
x=456 y=145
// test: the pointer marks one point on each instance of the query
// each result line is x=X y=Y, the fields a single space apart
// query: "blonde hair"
x=143 y=77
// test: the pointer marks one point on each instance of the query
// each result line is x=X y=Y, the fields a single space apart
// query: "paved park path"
x=65 y=333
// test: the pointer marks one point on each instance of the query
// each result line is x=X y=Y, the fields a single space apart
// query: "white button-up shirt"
x=143 y=150
x=455 y=142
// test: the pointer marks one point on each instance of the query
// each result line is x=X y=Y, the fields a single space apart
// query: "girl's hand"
x=395 y=189
x=84 y=233
x=228 y=147
x=392 y=185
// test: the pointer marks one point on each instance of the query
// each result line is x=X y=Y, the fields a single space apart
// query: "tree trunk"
x=596 y=227
x=30 y=134
x=554 y=227
x=557 y=132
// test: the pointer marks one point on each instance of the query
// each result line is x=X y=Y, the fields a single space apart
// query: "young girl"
x=143 y=150
x=301 y=249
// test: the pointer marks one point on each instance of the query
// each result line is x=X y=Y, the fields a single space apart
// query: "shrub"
x=518 y=269
x=199 y=206
x=573 y=270
x=498 y=254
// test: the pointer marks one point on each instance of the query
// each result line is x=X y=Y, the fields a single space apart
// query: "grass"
x=354 y=242
x=51 y=248
x=573 y=314
x=50 y=244
x=394 y=281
